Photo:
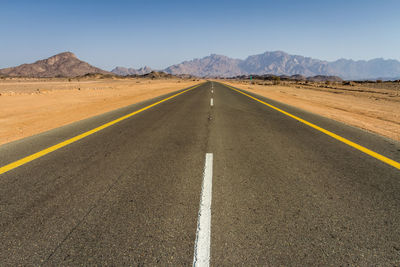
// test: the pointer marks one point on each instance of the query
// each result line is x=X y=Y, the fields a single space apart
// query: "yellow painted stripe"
x=48 y=150
x=337 y=137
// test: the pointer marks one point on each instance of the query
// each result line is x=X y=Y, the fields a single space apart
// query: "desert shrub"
x=277 y=80
x=378 y=81
x=346 y=83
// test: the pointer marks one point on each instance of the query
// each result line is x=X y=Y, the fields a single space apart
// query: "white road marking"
x=212 y=102
x=212 y=91
x=202 y=245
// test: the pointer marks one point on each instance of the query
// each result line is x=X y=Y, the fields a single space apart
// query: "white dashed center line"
x=202 y=245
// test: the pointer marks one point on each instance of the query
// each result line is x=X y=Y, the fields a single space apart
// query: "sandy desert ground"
x=371 y=106
x=32 y=106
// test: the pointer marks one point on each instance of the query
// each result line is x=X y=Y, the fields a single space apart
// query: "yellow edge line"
x=48 y=150
x=337 y=137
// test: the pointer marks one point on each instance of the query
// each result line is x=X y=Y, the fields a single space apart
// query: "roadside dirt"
x=372 y=107
x=32 y=106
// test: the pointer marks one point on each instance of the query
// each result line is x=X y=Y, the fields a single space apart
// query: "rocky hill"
x=157 y=75
x=61 y=65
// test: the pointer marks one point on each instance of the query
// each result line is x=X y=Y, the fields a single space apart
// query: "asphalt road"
x=283 y=193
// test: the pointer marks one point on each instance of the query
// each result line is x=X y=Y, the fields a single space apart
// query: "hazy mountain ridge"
x=122 y=71
x=281 y=63
x=213 y=65
x=61 y=65
x=363 y=69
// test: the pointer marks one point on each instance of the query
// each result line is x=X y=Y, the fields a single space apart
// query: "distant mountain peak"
x=122 y=71
x=146 y=68
x=277 y=52
x=59 y=58
x=64 y=55
x=209 y=66
x=217 y=56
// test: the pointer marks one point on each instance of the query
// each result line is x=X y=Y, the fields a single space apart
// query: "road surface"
x=209 y=176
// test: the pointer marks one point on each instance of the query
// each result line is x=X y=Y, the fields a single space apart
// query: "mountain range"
x=281 y=63
x=276 y=63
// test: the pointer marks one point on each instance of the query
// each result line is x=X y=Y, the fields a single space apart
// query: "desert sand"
x=374 y=107
x=32 y=106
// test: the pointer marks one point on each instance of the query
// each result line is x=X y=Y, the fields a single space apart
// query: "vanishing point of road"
x=209 y=175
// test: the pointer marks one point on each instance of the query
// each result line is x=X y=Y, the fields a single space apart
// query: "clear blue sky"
x=161 y=33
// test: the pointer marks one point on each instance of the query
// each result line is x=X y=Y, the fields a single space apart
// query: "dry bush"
x=277 y=80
